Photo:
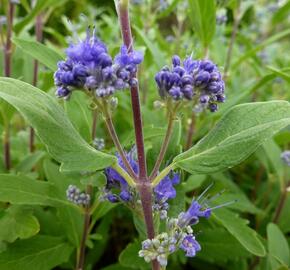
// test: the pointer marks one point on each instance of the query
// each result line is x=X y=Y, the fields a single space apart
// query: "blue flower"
x=165 y=190
x=192 y=215
x=190 y=245
x=90 y=67
x=116 y=183
x=200 y=78
x=285 y=156
x=199 y=208
x=126 y=58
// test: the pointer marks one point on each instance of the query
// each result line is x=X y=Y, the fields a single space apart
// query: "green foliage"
x=40 y=252
x=18 y=222
x=234 y=148
x=40 y=52
x=23 y=190
x=238 y=228
x=57 y=133
x=238 y=134
x=220 y=246
x=279 y=254
x=129 y=257
x=203 y=18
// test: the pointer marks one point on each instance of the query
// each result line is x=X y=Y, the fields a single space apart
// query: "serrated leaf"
x=277 y=246
x=40 y=52
x=239 y=229
x=38 y=253
x=18 y=222
x=53 y=127
x=237 y=135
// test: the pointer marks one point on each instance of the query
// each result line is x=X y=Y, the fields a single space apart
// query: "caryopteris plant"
x=85 y=179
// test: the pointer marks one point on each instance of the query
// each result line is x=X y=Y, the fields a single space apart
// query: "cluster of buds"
x=198 y=80
x=164 y=244
x=99 y=143
x=179 y=232
x=90 y=67
x=74 y=195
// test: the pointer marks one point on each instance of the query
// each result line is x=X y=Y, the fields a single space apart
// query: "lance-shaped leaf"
x=237 y=135
x=19 y=189
x=202 y=15
x=40 y=52
x=52 y=126
x=238 y=228
x=40 y=252
x=278 y=247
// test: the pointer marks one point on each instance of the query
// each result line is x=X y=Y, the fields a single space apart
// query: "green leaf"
x=53 y=127
x=154 y=50
x=80 y=115
x=6 y=112
x=71 y=219
x=263 y=44
x=237 y=135
x=40 y=6
x=178 y=204
x=203 y=17
x=29 y=162
x=220 y=246
x=284 y=220
x=18 y=222
x=139 y=225
x=129 y=257
x=277 y=246
x=40 y=52
x=23 y=190
x=280 y=73
x=38 y=253
x=281 y=14
x=271 y=152
x=239 y=229
x=115 y=267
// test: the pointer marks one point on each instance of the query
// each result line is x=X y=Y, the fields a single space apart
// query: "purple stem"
x=144 y=186
x=7 y=73
x=38 y=33
x=128 y=41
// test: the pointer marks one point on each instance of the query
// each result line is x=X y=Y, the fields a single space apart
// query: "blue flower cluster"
x=285 y=156
x=117 y=189
x=198 y=80
x=90 y=67
x=74 y=195
x=179 y=233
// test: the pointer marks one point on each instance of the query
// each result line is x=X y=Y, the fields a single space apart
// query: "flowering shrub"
x=136 y=163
